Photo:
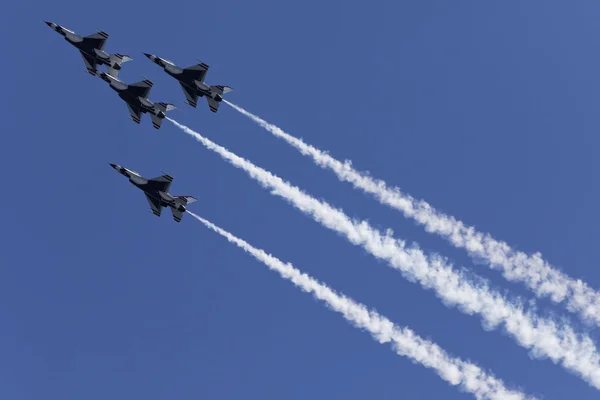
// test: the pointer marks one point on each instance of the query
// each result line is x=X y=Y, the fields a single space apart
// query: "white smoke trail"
x=469 y=377
x=532 y=270
x=542 y=337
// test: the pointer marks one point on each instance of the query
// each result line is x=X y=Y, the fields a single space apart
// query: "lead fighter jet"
x=136 y=97
x=92 y=50
x=156 y=191
x=191 y=80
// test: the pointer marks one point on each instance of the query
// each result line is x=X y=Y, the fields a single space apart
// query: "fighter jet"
x=156 y=191
x=136 y=97
x=192 y=82
x=92 y=50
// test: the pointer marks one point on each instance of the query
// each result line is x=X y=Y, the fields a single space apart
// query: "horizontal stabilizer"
x=177 y=215
x=156 y=121
x=213 y=104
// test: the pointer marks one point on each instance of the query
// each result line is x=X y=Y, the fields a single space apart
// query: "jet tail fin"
x=186 y=199
x=165 y=107
x=220 y=89
x=116 y=60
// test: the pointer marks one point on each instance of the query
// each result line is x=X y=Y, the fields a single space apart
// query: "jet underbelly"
x=72 y=37
x=147 y=104
x=102 y=55
x=118 y=85
x=138 y=180
x=173 y=69
x=166 y=197
x=203 y=87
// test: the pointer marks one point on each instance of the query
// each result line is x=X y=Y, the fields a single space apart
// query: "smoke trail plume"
x=539 y=276
x=544 y=338
x=469 y=377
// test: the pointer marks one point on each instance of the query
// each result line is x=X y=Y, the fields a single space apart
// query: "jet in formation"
x=192 y=82
x=92 y=50
x=136 y=97
x=157 y=192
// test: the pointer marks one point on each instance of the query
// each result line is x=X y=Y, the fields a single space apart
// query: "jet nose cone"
x=150 y=56
x=48 y=23
x=113 y=165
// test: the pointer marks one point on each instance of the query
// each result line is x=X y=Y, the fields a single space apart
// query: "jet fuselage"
x=137 y=102
x=164 y=198
x=141 y=103
x=201 y=88
x=100 y=56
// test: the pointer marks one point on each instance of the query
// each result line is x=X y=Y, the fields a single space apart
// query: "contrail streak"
x=532 y=270
x=469 y=377
x=544 y=338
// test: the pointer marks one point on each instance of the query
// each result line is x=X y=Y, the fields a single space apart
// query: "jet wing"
x=135 y=113
x=161 y=183
x=154 y=205
x=96 y=41
x=140 y=89
x=190 y=95
x=196 y=72
x=90 y=63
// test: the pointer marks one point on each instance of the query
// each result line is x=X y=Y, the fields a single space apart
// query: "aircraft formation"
x=543 y=337
x=135 y=95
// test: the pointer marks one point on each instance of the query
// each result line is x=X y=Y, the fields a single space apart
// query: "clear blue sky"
x=488 y=111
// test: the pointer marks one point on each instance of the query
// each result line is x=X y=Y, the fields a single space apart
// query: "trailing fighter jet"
x=92 y=50
x=156 y=191
x=136 y=97
x=192 y=82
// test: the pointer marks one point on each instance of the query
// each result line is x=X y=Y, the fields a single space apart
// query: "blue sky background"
x=488 y=111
